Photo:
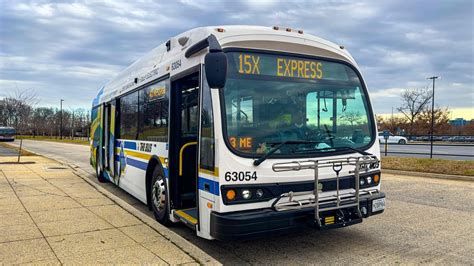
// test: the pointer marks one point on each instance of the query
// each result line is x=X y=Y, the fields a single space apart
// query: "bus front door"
x=109 y=140
x=184 y=147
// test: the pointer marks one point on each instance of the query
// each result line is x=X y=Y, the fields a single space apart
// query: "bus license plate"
x=378 y=205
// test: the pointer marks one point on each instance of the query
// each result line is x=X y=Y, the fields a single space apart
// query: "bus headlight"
x=246 y=194
x=370 y=180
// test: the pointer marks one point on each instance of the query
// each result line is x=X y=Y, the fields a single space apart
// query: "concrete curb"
x=429 y=175
x=186 y=246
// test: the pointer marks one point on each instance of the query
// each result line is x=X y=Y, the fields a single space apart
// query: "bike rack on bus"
x=361 y=164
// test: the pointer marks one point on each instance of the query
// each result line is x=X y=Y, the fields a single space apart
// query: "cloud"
x=69 y=49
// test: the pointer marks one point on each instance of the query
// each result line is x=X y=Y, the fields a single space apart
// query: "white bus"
x=7 y=133
x=242 y=131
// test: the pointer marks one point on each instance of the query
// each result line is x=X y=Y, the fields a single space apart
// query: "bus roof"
x=157 y=62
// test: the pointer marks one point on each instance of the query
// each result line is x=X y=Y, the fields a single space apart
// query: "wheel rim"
x=159 y=195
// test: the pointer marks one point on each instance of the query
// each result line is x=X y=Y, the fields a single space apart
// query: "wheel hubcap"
x=159 y=195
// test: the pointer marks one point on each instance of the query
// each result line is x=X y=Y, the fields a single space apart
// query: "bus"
x=7 y=134
x=240 y=132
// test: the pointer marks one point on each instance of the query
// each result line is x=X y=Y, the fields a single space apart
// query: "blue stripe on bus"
x=130 y=145
x=136 y=163
x=126 y=144
x=140 y=164
x=213 y=185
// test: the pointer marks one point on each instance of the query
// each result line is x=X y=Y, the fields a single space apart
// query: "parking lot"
x=426 y=221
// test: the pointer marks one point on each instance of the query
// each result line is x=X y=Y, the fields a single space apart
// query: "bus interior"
x=184 y=147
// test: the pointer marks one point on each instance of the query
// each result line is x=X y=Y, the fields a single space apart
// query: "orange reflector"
x=209 y=205
x=288 y=29
x=220 y=30
x=376 y=178
x=230 y=194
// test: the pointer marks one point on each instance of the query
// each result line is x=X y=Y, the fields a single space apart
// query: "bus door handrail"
x=181 y=155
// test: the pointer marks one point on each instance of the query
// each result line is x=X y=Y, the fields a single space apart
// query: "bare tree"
x=413 y=103
x=353 y=117
x=16 y=109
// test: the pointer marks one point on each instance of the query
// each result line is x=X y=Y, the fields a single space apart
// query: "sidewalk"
x=49 y=215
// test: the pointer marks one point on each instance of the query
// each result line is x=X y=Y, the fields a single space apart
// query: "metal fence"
x=443 y=146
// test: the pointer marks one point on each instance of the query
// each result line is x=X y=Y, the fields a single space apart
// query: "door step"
x=187 y=216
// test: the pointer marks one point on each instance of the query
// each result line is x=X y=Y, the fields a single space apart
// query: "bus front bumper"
x=267 y=222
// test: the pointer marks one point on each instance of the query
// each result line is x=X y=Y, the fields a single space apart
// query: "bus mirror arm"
x=215 y=62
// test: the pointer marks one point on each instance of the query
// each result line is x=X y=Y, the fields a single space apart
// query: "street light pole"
x=432 y=115
x=61 y=120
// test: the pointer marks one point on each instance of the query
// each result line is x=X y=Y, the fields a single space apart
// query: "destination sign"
x=287 y=66
x=156 y=91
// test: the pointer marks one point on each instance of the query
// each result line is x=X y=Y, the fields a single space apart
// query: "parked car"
x=393 y=139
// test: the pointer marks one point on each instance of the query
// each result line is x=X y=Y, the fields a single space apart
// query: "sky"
x=69 y=49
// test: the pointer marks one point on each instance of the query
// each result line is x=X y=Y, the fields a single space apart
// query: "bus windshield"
x=313 y=105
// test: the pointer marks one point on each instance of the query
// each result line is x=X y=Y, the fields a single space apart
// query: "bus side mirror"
x=216 y=69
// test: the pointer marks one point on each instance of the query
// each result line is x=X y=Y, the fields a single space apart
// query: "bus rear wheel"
x=159 y=197
x=98 y=171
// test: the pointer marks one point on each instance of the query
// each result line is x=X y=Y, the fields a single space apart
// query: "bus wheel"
x=98 y=171
x=159 y=197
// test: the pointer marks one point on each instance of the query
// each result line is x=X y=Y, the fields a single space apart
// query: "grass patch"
x=64 y=140
x=439 y=166
x=11 y=147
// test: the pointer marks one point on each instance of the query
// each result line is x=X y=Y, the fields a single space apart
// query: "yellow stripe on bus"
x=210 y=172
x=139 y=155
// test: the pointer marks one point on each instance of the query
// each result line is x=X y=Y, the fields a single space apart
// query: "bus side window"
x=128 y=116
x=153 y=112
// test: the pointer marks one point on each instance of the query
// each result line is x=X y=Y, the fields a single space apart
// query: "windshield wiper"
x=258 y=161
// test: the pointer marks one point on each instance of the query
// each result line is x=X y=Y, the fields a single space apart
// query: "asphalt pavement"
x=7 y=152
x=426 y=221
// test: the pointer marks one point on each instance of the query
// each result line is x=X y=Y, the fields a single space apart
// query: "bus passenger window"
x=153 y=113
x=128 y=116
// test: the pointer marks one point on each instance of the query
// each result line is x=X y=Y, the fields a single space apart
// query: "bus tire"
x=98 y=171
x=159 y=197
